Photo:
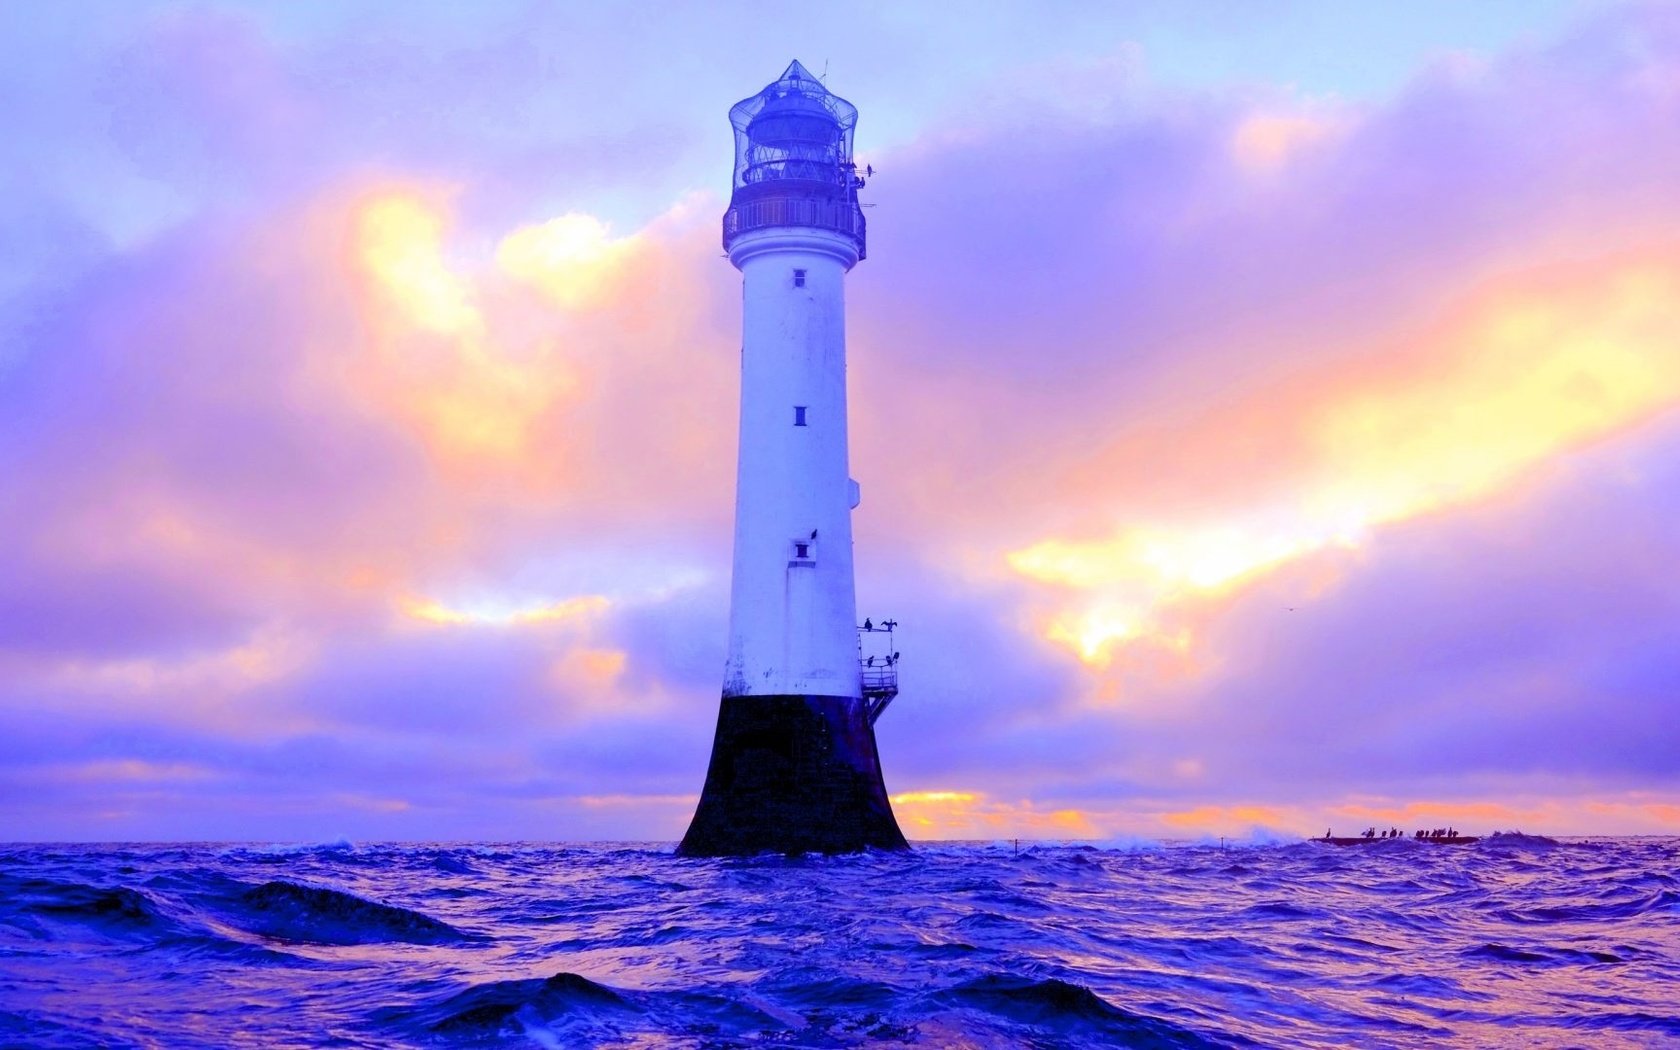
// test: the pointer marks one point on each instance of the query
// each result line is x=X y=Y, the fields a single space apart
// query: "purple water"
x=1511 y=942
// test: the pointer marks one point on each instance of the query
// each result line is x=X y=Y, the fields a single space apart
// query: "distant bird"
x=813 y=534
x=867 y=625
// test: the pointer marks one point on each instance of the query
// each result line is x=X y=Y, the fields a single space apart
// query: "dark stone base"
x=792 y=774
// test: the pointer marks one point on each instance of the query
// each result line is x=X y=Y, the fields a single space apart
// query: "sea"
x=1514 y=941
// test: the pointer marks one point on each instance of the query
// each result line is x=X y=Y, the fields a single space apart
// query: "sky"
x=1268 y=416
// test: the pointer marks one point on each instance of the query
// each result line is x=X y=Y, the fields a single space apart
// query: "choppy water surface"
x=1512 y=942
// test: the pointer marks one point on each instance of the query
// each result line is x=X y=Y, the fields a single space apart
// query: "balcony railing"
x=840 y=215
x=877 y=665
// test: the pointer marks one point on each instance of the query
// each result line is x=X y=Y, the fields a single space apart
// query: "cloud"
x=1196 y=405
x=1230 y=457
x=1543 y=364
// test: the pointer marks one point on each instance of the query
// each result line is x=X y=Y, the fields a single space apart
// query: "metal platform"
x=878 y=665
x=879 y=688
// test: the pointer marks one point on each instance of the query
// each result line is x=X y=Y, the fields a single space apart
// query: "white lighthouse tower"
x=794 y=766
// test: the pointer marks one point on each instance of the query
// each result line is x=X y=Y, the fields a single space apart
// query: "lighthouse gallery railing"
x=841 y=216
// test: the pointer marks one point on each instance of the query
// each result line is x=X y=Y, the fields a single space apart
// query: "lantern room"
x=793 y=160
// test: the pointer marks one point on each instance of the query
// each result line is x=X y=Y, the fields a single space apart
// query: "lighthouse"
x=794 y=766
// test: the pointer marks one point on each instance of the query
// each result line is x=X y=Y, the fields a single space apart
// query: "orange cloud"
x=1528 y=371
x=946 y=814
x=269 y=656
x=687 y=802
x=210 y=689
x=129 y=772
x=497 y=614
x=533 y=375
x=1267 y=141
x=593 y=667
x=573 y=258
x=972 y=814
x=1628 y=813
x=475 y=385
x=1414 y=812
x=399 y=240
x=1216 y=818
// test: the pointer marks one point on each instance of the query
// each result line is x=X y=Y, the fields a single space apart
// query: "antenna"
x=824 y=77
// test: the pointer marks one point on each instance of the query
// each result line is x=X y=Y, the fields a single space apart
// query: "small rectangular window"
x=798 y=415
x=799 y=278
x=801 y=550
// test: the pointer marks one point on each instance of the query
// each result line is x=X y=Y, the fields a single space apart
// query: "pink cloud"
x=336 y=459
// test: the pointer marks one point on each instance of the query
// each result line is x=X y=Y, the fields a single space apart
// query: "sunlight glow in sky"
x=1265 y=420
x=1523 y=378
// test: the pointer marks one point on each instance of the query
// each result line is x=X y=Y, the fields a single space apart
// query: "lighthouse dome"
x=794 y=121
x=793 y=159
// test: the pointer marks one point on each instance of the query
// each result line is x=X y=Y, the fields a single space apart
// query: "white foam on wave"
x=1258 y=835
x=543 y=1037
x=290 y=849
x=1130 y=844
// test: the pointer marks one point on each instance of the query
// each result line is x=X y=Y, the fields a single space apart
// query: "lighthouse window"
x=798 y=415
x=801 y=550
x=799 y=278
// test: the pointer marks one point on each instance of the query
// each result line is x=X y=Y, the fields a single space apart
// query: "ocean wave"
x=1510 y=839
x=299 y=914
x=111 y=907
x=70 y=912
x=1641 y=1021
x=491 y=1006
x=1068 y=1011
x=1547 y=954
x=193 y=947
